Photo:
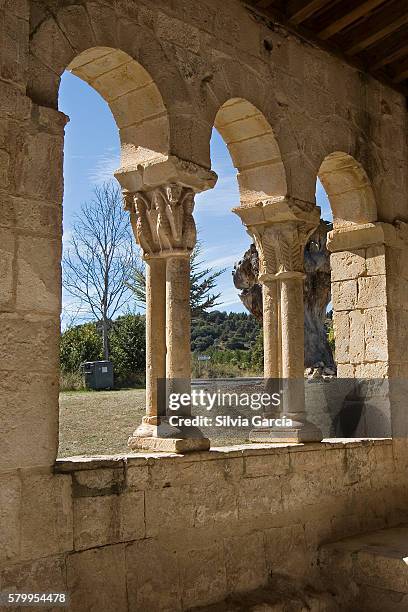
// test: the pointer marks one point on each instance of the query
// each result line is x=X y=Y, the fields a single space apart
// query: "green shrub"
x=128 y=349
x=78 y=344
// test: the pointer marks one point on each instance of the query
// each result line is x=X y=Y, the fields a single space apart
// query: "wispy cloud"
x=105 y=166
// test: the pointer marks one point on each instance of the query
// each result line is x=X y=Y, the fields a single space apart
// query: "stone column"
x=178 y=324
x=155 y=343
x=280 y=231
x=162 y=221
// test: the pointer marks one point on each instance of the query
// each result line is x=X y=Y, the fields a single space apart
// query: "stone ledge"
x=77 y=463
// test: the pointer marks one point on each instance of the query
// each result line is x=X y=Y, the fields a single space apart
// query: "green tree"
x=202 y=284
x=78 y=344
x=128 y=348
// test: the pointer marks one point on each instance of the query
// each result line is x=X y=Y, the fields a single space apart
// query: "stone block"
x=371 y=292
x=50 y=46
x=275 y=464
x=24 y=336
x=13 y=103
x=344 y=295
x=378 y=369
x=7 y=258
x=40 y=173
x=127 y=76
x=245 y=562
x=38 y=275
x=259 y=497
x=10 y=500
x=108 y=519
x=31 y=215
x=15 y=36
x=166 y=513
x=347 y=265
x=341 y=322
x=152 y=575
x=357 y=345
x=46 y=515
x=28 y=403
x=375 y=260
x=177 y=32
x=376 y=340
x=345 y=370
x=4 y=168
x=286 y=550
x=152 y=136
x=74 y=22
x=96 y=579
x=137 y=477
x=46 y=575
x=202 y=575
x=103 y=23
x=136 y=106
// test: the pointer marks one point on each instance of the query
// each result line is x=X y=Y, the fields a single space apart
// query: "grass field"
x=98 y=422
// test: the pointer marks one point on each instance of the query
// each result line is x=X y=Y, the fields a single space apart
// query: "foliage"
x=78 y=344
x=202 y=284
x=128 y=349
x=99 y=258
x=223 y=331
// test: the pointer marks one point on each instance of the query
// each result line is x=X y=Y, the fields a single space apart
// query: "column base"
x=168 y=439
x=298 y=433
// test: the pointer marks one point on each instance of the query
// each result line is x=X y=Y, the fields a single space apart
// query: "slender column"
x=164 y=227
x=280 y=233
x=293 y=343
x=271 y=341
x=155 y=335
x=178 y=325
x=271 y=321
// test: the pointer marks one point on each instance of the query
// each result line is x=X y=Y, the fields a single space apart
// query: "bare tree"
x=100 y=258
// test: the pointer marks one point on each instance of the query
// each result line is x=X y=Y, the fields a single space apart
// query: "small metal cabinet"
x=98 y=374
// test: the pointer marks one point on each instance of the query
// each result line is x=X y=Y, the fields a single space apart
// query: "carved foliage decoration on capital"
x=281 y=246
x=162 y=219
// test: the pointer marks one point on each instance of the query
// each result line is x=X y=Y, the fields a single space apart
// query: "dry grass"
x=99 y=422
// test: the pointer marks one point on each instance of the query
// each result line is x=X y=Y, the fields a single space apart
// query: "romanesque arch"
x=359 y=289
x=348 y=188
x=253 y=149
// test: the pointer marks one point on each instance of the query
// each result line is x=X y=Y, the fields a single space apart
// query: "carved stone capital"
x=280 y=228
x=280 y=247
x=162 y=219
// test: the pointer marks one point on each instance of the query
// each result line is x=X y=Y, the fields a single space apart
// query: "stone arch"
x=358 y=272
x=348 y=188
x=253 y=149
x=84 y=37
x=134 y=99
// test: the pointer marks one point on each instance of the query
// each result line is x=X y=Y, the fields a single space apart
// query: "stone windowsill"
x=74 y=464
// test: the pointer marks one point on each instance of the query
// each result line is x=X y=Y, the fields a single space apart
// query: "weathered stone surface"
x=96 y=579
x=46 y=515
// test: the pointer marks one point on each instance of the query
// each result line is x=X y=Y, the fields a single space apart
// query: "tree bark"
x=316 y=293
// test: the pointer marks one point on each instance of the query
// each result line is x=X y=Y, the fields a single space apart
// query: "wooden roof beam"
x=343 y=21
x=299 y=10
x=391 y=57
x=377 y=27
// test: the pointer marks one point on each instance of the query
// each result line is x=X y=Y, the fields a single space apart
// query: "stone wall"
x=173 y=532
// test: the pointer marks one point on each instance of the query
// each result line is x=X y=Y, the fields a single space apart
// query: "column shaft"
x=178 y=325
x=271 y=324
x=292 y=325
x=155 y=335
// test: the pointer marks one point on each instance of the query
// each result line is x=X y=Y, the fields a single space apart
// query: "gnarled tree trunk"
x=316 y=295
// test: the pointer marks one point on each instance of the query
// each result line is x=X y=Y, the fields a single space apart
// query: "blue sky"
x=92 y=155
